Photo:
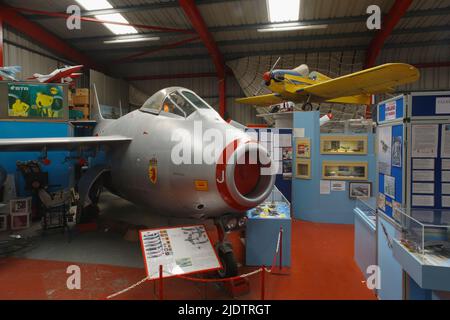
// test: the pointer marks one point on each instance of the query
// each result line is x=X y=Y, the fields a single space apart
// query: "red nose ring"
x=266 y=76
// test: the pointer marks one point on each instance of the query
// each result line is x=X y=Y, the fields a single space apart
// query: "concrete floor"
x=322 y=264
x=103 y=246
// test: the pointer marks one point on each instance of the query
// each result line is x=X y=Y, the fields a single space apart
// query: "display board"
x=430 y=166
x=390 y=168
x=180 y=250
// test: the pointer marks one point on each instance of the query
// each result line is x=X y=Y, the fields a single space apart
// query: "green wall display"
x=35 y=100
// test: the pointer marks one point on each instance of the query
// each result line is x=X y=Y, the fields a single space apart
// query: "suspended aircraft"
x=299 y=85
x=60 y=75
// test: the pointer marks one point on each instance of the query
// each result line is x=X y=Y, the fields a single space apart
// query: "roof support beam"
x=193 y=14
x=157 y=49
x=88 y=19
x=397 y=11
x=172 y=4
x=237 y=55
x=37 y=33
x=341 y=20
x=250 y=42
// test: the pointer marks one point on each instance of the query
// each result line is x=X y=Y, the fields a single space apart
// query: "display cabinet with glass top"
x=343 y=145
x=426 y=235
x=366 y=209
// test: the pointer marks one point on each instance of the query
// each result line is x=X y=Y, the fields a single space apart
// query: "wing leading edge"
x=370 y=81
x=63 y=143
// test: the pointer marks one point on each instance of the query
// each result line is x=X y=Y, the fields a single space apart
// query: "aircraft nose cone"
x=266 y=77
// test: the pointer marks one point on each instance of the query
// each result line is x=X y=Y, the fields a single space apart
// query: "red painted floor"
x=322 y=268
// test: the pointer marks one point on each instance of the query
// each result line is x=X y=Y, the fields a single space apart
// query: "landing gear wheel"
x=229 y=264
x=307 y=107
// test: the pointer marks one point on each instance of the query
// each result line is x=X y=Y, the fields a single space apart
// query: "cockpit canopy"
x=176 y=101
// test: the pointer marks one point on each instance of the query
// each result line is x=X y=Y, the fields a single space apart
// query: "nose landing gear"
x=224 y=248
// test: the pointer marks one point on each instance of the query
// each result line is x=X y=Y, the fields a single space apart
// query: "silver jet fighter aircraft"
x=141 y=166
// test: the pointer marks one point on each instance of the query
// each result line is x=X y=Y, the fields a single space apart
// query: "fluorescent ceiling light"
x=292 y=27
x=116 y=28
x=113 y=17
x=132 y=40
x=283 y=10
x=95 y=4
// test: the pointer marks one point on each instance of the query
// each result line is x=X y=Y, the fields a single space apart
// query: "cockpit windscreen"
x=195 y=100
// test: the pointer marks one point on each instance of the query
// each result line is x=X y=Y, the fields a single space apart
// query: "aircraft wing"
x=374 y=80
x=264 y=100
x=63 y=143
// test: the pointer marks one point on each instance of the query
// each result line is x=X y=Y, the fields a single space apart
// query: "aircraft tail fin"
x=96 y=112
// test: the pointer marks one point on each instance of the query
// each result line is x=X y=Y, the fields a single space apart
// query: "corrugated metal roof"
x=339 y=49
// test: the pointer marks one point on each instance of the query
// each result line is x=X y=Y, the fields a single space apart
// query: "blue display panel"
x=391 y=110
x=395 y=173
x=60 y=170
x=426 y=105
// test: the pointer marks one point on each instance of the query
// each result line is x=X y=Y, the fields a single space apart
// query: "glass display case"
x=426 y=235
x=343 y=145
x=275 y=206
x=366 y=208
x=340 y=170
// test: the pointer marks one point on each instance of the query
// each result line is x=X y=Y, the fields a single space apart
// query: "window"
x=195 y=100
x=177 y=104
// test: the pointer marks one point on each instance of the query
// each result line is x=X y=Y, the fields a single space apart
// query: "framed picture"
x=303 y=147
x=360 y=190
x=303 y=169
x=343 y=145
x=341 y=170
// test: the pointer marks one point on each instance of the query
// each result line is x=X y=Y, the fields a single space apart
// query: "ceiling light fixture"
x=113 y=17
x=292 y=27
x=126 y=40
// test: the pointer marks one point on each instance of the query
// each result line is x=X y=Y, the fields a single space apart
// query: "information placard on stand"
x=179 y=250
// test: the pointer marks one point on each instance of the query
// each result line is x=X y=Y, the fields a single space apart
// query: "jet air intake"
x=244 y=177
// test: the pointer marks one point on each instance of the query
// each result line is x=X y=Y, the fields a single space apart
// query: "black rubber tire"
x=307 y=107
x=230 y=268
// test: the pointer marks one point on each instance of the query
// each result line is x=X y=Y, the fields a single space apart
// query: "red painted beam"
x=11 y=17
x=173 y=76
x=397 y=11
x=196 y=19
x=88 y=19
x=147 y=52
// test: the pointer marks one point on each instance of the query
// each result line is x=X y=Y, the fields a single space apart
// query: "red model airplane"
x=62 y=75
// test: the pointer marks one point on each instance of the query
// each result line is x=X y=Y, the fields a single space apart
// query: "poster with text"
x=179 y=250
x=384 y=149
x=424 y=141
